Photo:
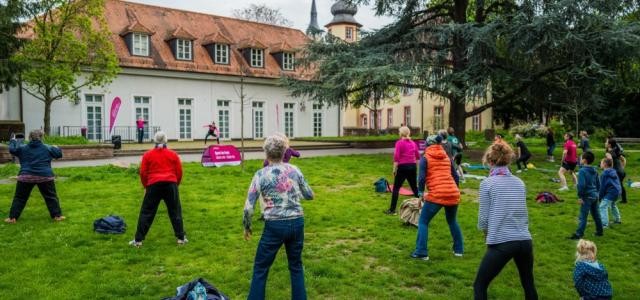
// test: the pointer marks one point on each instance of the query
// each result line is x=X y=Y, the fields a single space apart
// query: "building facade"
x=427 y=113
x=180 y=71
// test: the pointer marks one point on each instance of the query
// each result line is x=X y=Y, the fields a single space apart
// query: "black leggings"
x=524 y=159
x=211 y=133
x=156 y=192
x=496 y=257
x=408 y=172
x=623 y=196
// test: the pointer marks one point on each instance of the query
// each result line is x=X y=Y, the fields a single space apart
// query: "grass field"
x=352 y=250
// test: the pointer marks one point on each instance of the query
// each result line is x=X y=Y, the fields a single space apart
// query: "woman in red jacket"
x=160 y=173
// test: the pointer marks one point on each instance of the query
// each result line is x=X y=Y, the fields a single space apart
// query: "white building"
x=181 y=70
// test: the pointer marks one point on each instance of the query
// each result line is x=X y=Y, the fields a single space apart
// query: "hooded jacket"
x=610 y=187
x=588 y=183
x=35 y=157
x=440 y=180
x=591 y=279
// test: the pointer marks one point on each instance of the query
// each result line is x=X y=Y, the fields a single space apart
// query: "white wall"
x=165 y=88
x=10 y=104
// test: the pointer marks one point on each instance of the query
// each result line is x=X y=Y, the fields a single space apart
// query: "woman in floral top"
x=282 y=187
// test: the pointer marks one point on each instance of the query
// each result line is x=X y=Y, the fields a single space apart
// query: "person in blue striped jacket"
x=504 y=219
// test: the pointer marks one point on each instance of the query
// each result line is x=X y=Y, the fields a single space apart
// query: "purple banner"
x=115 y=107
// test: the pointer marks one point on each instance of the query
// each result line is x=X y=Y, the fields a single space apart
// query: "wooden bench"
x=623 y=140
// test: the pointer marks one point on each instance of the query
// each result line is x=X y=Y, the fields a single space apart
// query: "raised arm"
x=14 y=147
x=55 y=152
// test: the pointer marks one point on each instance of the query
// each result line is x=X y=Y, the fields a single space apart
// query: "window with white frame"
x=94 y=116
x=289 y=119
x=221 y=54
x=142 y=108
x=317 y=119
x=184 y=117
x=476 y=122
x=348 y=35
x=375 y=117
x=438 y=111
x=257 y=58
x=140 y=43
x=363 y=121
x=183 y=49
x=223 y=118
x=389 y=117
x=287 y=61
x=407 y=116
x=258 y=119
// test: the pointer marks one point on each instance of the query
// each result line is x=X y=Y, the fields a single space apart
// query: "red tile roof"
x=123 y=17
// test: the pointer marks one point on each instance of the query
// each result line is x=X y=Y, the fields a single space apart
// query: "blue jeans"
x=550 y=149
x=589 y=205
x=429 y=210
x=604 y=211
x=275 y=233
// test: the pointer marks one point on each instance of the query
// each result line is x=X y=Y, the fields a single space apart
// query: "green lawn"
x=352 y=250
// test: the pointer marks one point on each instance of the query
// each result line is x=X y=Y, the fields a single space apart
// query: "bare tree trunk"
x=242 y=120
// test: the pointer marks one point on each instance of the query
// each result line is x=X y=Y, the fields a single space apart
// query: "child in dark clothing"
x=590 y=277
x=610 y=189
x=588 y=187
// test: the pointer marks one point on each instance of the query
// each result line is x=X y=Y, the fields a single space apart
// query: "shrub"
x=529 y=130
x=601 y=135
x=66 y=140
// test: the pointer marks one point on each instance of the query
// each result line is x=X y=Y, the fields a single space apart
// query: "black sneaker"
x=390 y=212
x=599 y=234
x=574 y=237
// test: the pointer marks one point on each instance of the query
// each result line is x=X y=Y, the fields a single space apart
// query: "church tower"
x=314 y=31
x=344 y=25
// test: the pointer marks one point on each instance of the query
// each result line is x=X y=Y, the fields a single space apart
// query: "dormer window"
x=221 y=54
x=257 y=58
x=288 y=61
x=184 y=50
x=140 y=44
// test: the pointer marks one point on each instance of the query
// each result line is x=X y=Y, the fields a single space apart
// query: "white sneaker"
x=183 y=241
x=519 y=171
x=457 y=254
x=564 y=188
x=135 y=243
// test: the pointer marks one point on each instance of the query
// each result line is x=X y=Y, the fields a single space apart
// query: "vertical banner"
x=115 y=106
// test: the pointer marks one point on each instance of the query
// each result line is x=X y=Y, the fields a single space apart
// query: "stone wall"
x=70 y=152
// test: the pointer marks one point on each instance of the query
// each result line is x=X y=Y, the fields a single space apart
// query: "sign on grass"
x=221 y=155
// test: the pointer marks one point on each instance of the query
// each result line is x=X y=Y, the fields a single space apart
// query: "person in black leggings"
x=523 y=154
x=503 y=218
x=404 y=167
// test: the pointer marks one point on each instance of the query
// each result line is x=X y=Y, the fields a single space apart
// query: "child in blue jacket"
x=610 y=189
x=588 y=187
x=590 y=277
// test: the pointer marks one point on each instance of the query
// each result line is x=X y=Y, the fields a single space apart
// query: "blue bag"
x=382 y=185
x=110 y=224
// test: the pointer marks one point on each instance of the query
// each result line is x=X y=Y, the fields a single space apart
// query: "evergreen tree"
x=465 y=50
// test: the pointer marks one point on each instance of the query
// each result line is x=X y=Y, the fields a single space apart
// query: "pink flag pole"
x=277 y=118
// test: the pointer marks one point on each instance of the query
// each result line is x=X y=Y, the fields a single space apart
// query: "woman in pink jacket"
x=404 y=167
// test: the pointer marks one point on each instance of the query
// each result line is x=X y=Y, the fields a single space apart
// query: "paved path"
x=127 y=160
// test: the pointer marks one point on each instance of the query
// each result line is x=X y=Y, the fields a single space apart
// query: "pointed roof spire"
x=314 y=28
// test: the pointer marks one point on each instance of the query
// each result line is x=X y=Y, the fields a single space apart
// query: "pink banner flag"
x=115 y=107
x=277 y=118
x=221 y=155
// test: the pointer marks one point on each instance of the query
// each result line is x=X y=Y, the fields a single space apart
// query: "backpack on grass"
x=110 y=224
x=381 y=185
x=198 y=289
x=547 y=197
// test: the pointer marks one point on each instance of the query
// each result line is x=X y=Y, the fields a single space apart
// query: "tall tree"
x=69 y=49
x=463 y=50
x=10 y=12
x=263 y=14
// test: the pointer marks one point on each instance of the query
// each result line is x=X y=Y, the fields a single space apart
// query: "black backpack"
x=185 y=292
x=110 y=224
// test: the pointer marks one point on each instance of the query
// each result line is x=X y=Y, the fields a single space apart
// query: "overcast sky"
x=298 y=11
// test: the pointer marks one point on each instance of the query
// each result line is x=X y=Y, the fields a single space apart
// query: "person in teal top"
x=456 y=148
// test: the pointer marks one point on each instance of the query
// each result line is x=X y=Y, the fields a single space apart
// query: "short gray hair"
x=275 y=146
x=36 y=135
x=160 y=137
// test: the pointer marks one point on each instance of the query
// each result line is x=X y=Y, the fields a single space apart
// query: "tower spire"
x=313 y=28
